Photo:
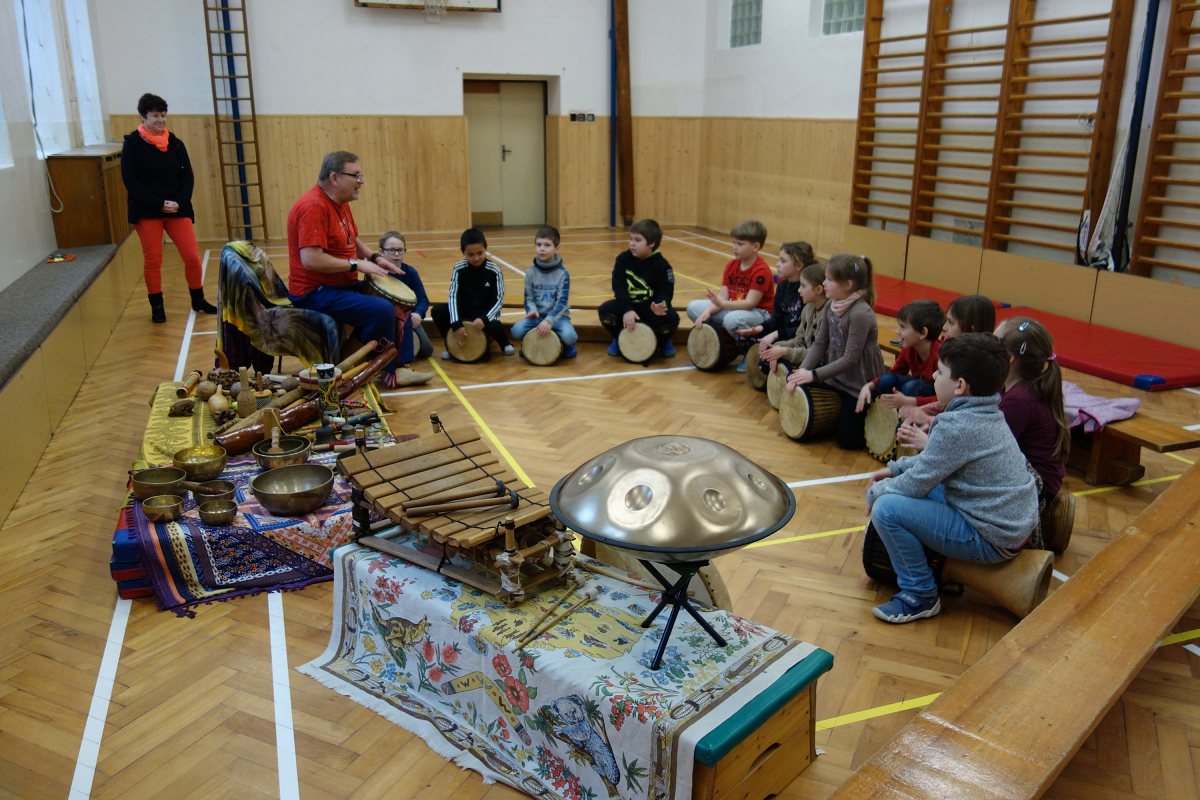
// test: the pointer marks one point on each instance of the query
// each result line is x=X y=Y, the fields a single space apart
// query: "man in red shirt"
x=325 y=257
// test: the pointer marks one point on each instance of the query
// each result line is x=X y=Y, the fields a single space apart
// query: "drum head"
x=755 y=376
x=541 y=351
x=393 y=289
x=880 y=430
x=637 y=345
x=472 y=348
x=795 y=412
x=703 y=346
x=776 y=384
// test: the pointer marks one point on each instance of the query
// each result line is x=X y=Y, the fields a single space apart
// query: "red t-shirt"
x=741 y=282
x=316 y=221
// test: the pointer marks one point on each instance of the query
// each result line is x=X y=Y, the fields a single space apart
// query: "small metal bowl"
x=213 y=490
x=217 y=513
x=295 y=451
x=162 y=507
x=293 y=491
x=158 y=480
x=201 y=463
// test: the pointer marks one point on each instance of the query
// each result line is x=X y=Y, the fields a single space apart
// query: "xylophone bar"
x=497 y=490
x=438 y=479
x=404 y=451
x=394 y=502
x=401 y=469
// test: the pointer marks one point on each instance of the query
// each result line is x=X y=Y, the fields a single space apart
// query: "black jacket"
x=788 y=305
x=636 y=281
x=152 y=176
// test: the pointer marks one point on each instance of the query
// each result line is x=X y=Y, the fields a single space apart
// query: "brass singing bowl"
x=293 y=491
x=210 y=490
x=295 y=449
x=217 y=513
x=147 y=483
x=673 y=498
x=162 y=507
x=201 y=463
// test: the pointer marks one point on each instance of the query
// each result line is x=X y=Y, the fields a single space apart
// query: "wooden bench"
x=1113 y=455
x=1014 y=720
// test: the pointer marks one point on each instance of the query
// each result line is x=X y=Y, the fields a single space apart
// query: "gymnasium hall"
x=1045 y=155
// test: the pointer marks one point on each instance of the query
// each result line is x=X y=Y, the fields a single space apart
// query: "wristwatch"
x=353 y=264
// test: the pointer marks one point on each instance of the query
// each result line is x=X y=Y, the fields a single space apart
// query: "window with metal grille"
x=745 y=26
x=843 y=16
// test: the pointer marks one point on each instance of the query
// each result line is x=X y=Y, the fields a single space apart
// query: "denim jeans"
x=371 y=316
x=908 y=525
x=564 y=329
x=730 y=319
x=907 y=384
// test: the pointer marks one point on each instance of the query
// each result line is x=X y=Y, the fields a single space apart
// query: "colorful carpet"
x=575 y=715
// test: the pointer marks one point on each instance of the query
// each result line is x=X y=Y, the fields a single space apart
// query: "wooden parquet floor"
x=209 y=707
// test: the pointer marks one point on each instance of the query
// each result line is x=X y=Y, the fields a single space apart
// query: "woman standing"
x=158 y=175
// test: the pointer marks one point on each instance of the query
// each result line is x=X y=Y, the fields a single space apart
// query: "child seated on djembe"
x=475 y=297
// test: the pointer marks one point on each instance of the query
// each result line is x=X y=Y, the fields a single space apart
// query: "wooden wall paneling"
x=1161 y=309
x=1022 y=280
x=886 y=249
x=129 y=255
x=945 y=265
x=97 y=316
x=1169 y=193
x=554 y=168
x=577 y=172
x=23 y=404
x=667 y=152
x=62 y=357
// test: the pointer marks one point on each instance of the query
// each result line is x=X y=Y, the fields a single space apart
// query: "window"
x=39 y=56
x=745 y=26
x=843 y=16
x=83 y=67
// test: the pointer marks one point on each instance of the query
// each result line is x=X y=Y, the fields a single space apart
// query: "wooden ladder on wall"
x=1169 y=206
x=236 y=123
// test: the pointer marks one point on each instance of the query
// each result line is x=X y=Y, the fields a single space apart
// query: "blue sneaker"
x=741 y=367
x=906 y=607
x=668 y=349
x=613 y=350
x=569 y=351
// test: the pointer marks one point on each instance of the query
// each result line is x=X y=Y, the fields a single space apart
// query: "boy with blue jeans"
x=968 y=494
x=547 y=294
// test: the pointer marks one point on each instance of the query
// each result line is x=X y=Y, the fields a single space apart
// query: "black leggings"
x=664 y=326
x=851 y=426
x=492 y=327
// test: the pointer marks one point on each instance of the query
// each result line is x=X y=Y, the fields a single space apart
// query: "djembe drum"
x=541 y=351
x=809 y=412
x=396 y=292
x=754 y=374
x=711 y=347
x=473 y=346
x=637 y=344
x=777 y=384
x=880 y=428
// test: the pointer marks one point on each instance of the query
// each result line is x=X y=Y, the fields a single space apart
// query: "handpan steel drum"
x=673 y=498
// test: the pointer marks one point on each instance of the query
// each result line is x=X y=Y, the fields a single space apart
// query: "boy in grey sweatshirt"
x=547 y=294
x=968 y=494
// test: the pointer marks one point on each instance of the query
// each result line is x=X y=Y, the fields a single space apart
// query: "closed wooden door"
x=506 y=133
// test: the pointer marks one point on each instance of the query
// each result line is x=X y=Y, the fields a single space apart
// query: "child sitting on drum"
x=643 y=286
x=794 y=257
x=919 y=324
x=968 y=495
x=845 y=354
x=476 y=295
x=394 y=246
x=547 y=294
x=747 y=292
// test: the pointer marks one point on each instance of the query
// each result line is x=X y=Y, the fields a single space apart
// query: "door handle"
x=504 y=151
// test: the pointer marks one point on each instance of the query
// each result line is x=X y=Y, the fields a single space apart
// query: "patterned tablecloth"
x=576 y=714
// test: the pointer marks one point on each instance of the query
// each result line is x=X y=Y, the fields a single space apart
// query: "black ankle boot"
x=200 y=304
x=157 y=312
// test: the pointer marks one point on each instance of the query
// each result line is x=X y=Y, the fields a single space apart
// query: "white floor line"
x=1059 y=575
x=838 y=479
x=726 y=253
x=285 y=737
x=1190 y=389
x=409 y=392
x=93 y=731
x=764 y=254
x=1192 y=427
x=504 y=263
x=181 y=365
x=1193 y=649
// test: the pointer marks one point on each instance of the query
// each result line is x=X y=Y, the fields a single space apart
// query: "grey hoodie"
x=973 y=455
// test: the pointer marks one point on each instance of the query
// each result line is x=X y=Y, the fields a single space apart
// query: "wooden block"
x=63 y=356
x=1162 y=309
x=766 y=761
x=1022 y=281
x=887 y=250
x=1146 y=431
x=945 y=265
x=23 y=406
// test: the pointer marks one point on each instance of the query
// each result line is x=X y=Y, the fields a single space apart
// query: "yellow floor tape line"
x=483 y=426
x=801 y=538
x=1143 y=482
x=1182 y=636
x=879 y=711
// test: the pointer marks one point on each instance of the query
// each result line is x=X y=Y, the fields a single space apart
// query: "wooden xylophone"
x=450 y=493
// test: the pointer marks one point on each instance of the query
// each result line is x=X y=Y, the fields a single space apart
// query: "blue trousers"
x=907 y=525
x=371 y=317
x=563 y=327
x=907 y=384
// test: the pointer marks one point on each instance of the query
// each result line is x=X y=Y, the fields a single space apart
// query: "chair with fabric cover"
x=257 y=320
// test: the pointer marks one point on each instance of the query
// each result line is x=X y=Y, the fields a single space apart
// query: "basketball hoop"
x=435 y=11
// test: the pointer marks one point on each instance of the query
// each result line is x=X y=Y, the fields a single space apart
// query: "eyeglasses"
x=358 y=176
x=394 y=251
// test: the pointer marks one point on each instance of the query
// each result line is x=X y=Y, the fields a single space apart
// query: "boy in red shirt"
x=747 y=294
x=910 y=380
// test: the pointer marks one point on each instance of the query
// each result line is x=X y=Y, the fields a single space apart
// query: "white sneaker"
x=445 y=355
x=509 y=349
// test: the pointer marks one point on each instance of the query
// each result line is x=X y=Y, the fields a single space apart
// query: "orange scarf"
x=159 y=140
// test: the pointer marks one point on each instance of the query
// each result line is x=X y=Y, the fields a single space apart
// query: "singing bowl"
x=212 y=490
x=295 y=451
x=293 y=491
x=147 y=483
x=162 y=507
x=201 y=463
x=217 y=513
x=673 y=498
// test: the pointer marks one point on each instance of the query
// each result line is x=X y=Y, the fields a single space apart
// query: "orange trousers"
x=183 y=234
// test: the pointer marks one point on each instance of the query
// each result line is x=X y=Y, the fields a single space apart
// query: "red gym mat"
x=1127 y=358
x=891 y=294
